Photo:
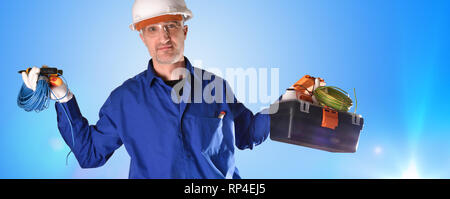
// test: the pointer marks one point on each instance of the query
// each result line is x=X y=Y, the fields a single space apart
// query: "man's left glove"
x=30 y=80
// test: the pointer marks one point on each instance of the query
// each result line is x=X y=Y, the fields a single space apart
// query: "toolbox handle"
x=356 y=119
x=304 y=106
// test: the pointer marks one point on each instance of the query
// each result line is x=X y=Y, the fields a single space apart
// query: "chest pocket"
x=212 y=135
x=215 y=140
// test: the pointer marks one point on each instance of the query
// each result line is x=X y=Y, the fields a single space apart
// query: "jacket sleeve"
x=250 y=129
x=92 y=145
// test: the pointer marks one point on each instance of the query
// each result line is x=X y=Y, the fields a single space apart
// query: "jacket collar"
x=151 y=74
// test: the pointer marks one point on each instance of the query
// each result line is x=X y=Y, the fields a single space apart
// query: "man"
x=165 y=136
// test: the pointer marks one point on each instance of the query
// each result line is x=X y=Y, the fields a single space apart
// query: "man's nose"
x=164 y=33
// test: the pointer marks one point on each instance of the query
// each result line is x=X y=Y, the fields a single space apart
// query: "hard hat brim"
x=186 y=14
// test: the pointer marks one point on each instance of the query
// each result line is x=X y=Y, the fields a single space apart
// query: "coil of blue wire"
x=39 y=100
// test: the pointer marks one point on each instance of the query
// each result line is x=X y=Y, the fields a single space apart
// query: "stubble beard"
x=167 y=58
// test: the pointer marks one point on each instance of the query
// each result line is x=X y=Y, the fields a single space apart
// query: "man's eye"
x=151 y=29
x=171 y=26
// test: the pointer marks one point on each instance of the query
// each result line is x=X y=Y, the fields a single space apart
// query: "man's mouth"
x=165 y=47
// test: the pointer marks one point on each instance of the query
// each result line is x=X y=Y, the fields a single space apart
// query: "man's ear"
x=185 y=30
x=142 y=37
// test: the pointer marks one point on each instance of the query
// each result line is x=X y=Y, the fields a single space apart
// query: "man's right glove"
x=30 y=80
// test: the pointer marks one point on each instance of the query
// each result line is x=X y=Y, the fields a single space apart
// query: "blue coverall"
x=165 y=139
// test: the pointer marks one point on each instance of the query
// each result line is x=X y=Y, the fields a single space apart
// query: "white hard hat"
x=147 y=9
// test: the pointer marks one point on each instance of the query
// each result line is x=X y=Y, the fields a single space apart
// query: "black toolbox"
x=302 y=123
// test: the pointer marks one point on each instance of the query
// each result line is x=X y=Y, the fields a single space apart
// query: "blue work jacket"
x=165 y=138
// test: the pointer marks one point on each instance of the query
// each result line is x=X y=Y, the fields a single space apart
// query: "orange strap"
x=330 y=118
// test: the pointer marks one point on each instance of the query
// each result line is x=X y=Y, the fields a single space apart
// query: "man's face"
x=165 y=41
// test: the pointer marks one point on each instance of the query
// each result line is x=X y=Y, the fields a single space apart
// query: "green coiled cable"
x=334 y=97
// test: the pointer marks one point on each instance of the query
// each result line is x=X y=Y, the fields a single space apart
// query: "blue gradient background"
x=395 y=53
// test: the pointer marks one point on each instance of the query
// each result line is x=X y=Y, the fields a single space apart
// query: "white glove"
x=30 y=80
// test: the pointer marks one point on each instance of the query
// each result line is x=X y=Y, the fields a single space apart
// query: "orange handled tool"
x=55 y=81
x=304 y=87
x=52 y=73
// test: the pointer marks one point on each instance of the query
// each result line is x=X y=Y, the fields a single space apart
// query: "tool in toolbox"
x=305 y=84
x=314 y=115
